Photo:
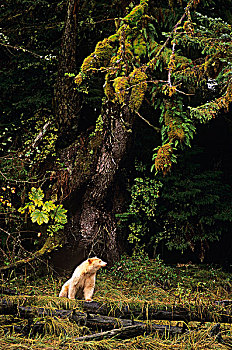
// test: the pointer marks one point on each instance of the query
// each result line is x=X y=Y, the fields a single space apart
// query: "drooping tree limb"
x=50 y=244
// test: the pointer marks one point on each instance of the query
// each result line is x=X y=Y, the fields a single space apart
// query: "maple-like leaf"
x=48 y=206
x=59 y=214
x=39 y=216
x=36 y=195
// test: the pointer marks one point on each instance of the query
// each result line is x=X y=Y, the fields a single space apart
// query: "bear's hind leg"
x=72 y=291
x=64 y=289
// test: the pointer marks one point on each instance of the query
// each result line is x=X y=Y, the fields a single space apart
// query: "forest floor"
x=198 y=298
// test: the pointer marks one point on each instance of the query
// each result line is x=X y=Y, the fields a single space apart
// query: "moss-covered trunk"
x=93 y=182
x=97 y=218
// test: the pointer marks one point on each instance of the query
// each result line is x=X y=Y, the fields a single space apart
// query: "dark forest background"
x=100 y=168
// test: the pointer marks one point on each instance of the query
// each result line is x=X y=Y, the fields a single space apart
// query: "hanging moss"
x=120 y=86
x=175 y=129
x=129 y=51
x=88 y=63
x=103 y=51
x=108 y=88
x=78 y=79
x=139 y=86
x=136 y=13
x=124 y=54
x=139 y=46
x=163 y=160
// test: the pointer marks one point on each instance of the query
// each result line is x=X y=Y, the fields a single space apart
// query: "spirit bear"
x=83 y=279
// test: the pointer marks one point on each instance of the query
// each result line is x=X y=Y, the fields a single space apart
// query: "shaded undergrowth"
x=136 y=284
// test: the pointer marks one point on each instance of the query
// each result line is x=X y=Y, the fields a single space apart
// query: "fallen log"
x=122 y=333
x=148 y=313
x=132 y=331
x=8 y=307
x=151 y=313
x=92 y=321
x=32 y=329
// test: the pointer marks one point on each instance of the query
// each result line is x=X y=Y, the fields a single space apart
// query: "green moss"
x=99 y=124
x=120 y=86
x=113 y=38
x=136 y=13
x=100 y=57
x=78 y=79
x=107 y=55
x=139 y=86
x=51 y=243
x=103 y=51
x=89 y=63
x=108 y=88
x=139 y=46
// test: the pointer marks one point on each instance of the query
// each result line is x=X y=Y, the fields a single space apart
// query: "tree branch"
x=50 y=244
x=146 y=121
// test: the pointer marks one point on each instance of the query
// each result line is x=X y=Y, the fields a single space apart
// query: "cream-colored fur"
x=83 y=279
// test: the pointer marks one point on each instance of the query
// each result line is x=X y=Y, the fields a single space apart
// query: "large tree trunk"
x=92 y=163
x=92 y=182
x=97 y=218
x=66 y=99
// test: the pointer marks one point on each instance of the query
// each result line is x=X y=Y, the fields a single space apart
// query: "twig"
x=8 y=46
x=40 y=135
x=175 y=27
x=47 y=248
x=23 y=181
x=170 y=68
x=154 y=127
x=184 y=93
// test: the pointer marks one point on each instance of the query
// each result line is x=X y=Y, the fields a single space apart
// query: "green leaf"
x=30 y=206
x=59 y=214
x=36 y=195
x=48 y=206
x=39 y=216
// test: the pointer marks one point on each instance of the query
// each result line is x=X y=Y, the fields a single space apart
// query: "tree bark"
x=97 y=218
x=93 y=167
x=66 y=98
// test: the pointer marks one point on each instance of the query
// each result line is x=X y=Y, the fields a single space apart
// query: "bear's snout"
x=103 y=263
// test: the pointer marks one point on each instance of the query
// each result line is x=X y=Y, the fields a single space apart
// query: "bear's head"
x=96 y=263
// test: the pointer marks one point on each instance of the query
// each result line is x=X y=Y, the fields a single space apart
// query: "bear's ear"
x=90 y=260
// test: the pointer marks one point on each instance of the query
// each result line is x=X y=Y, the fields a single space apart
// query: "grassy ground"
x=138 y=283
